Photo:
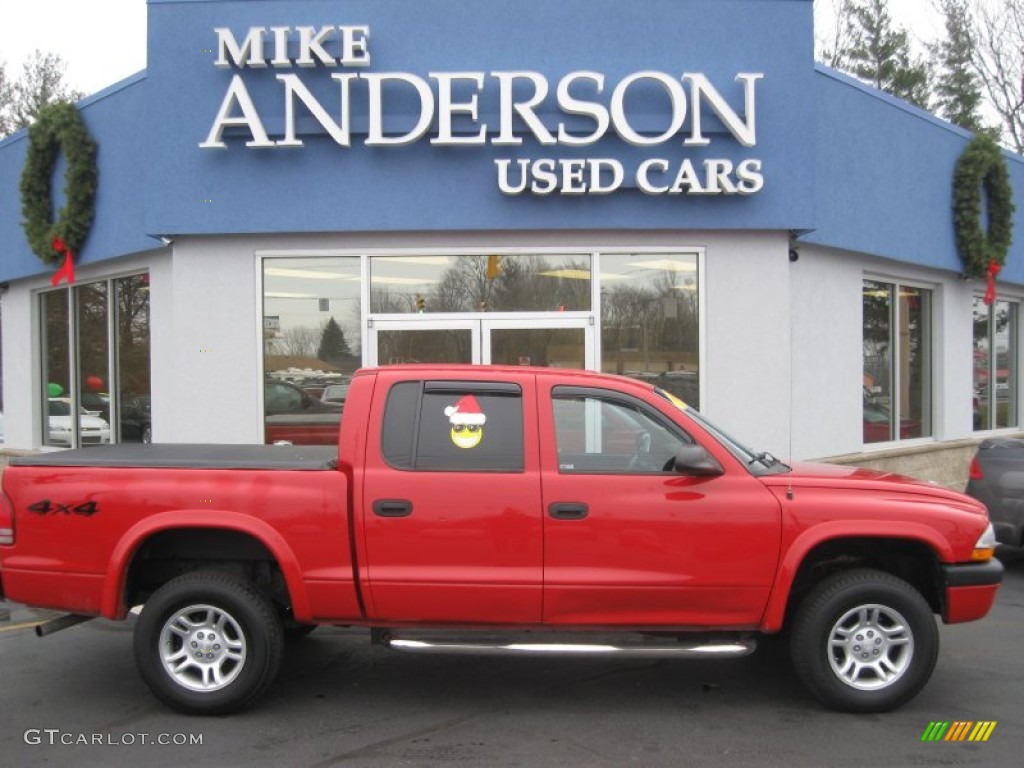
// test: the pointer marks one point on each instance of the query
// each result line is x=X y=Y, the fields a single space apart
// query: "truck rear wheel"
x=208 y=643
x=864 y=641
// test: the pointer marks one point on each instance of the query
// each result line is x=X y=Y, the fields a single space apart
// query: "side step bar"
x=569 y=644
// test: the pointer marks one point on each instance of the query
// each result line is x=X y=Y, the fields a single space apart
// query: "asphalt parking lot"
x=74 y=698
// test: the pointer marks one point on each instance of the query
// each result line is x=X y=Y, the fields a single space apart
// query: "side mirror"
x=694 y=460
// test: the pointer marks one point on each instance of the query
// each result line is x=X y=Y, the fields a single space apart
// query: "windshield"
x=760 y=462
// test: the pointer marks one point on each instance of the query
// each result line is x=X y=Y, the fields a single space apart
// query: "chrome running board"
x=568 y=644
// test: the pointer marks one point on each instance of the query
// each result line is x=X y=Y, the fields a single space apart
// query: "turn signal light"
x=985 y=546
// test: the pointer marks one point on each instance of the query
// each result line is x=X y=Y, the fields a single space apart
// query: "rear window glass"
x=454 y=426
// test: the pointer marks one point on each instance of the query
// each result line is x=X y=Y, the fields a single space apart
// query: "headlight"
x=985 y=547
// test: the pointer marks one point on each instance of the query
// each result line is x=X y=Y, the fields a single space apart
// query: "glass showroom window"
x=994 y=402
x=310 y=346
x=95 y=356
x=650 y=320
x=897 y=362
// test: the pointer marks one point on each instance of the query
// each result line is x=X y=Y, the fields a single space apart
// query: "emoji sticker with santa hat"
x=467 y=422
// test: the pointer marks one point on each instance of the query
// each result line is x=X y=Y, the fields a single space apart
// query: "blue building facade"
x=681 y=192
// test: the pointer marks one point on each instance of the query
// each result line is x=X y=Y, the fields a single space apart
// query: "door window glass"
x=596 y=434
x=454 y=427
x=548 y=347
x=453 y=345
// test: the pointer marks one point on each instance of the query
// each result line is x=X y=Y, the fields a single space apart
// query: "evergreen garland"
x=58 y=127
x=981 y=166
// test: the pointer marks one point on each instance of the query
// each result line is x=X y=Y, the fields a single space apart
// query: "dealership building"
x=670 y=189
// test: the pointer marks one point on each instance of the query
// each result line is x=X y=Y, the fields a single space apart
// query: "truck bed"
x=192 y=456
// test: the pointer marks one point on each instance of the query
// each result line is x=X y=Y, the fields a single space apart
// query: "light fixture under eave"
x=308 y=274
x=166 y=240
x=569 y=274
x=666 y=265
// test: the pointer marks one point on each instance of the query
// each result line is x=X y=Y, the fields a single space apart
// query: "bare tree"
x=301 y=341
x=999 y=60
x=830 y=42
x=6 y=101
x=41 y=83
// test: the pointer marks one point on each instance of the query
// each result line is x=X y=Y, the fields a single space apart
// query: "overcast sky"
x=104 y=41
x=101 y=41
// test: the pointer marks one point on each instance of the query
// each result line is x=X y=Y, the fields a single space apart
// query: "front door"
x=629 y=542
x=556 y=342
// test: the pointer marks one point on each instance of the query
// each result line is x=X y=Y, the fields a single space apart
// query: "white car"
x=334 y=393
x=91 y=428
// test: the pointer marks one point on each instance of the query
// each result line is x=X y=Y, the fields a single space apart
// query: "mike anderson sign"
x=447 y=114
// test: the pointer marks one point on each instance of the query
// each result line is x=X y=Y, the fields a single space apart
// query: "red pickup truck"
x=497 y=510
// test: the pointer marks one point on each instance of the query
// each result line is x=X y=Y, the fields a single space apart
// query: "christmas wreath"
x=981 y=166
x=58 y=127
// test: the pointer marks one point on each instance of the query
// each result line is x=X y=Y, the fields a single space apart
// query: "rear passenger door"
x=451 y=502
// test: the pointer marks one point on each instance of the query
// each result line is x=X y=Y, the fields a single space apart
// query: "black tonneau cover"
x=189 y=456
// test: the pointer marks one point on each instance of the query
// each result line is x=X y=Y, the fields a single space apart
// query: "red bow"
x=68 y=270
x=990 y=284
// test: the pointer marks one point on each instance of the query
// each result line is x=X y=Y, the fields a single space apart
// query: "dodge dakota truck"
x=471 y=509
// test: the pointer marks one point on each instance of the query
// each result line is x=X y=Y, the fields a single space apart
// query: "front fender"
x=113 y=605
x=806 y=541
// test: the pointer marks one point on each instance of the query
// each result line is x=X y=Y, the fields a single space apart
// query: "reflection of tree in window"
x=650 y=321
x=994 y=398
x=897 y=361
x=133 y=333
x=516 y=283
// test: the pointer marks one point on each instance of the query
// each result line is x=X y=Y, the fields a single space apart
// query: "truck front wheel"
x=864 y=641
x=208 y=643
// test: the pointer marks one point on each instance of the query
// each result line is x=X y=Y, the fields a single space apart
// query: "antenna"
x=794 y=257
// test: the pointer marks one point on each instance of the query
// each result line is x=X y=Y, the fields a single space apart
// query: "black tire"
x=885 y=644
x=232 y=630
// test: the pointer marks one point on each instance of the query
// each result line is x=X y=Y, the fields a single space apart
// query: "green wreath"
x=58 y=127
x=981 y=166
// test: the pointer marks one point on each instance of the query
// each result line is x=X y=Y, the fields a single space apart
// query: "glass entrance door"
x=554 y=342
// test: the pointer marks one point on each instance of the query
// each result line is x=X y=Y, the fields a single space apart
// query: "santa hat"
x=466 y=411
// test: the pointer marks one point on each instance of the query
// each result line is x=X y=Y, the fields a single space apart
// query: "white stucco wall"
x=828 y=361
x=18 y=351
x=747 y=326
x=781 y=340
x=206 y=366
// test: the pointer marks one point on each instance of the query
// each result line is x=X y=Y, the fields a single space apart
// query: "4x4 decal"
x=47 y=507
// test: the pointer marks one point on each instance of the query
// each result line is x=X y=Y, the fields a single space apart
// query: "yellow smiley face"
x=467 y=435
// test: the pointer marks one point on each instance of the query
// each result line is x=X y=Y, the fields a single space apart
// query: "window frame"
x=73 y=338
x=896 y=365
